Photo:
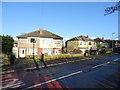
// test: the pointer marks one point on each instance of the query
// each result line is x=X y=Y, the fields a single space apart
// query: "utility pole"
x=112 y=41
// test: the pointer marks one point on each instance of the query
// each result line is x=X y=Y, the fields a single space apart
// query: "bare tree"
x=112 y=9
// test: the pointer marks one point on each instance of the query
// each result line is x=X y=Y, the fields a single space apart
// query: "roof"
x=99 y=40
x=41 y=33
x=80 y=38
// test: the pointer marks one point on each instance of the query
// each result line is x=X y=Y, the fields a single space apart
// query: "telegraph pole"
x=112 y=41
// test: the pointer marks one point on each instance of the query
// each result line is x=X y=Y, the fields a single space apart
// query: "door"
x=57 y=52
x=22 y=53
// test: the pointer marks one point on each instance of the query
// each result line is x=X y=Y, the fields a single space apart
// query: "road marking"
x=100 y=65
x=14 y=84
x=116 y=59
x=62 y=77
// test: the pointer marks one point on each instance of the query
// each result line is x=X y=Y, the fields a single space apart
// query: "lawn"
x=37 y=60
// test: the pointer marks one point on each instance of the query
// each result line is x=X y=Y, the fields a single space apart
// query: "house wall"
x=71 y=45
x=46 y=43
x=57 y=43
x=92 y=46
x=82 y=44
x=15 y=51
x=42 y=45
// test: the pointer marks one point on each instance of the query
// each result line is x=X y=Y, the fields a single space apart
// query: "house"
x=15 y=48
x=80 y=43
x=101 y=41
x=45 y=42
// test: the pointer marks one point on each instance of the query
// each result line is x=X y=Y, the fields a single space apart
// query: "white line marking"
x=54 y=79
x=116 y=59
x=9 y=80
x=20 y=83
x=100 y=65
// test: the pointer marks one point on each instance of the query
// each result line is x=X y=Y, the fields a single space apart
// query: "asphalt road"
x=102 y=73
x=87 y=74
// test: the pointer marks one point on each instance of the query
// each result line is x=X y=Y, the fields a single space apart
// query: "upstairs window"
x=57 y=42
x=23 y=40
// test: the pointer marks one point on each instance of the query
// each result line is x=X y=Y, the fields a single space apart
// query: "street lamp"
x=112 y=41
x=33 y=41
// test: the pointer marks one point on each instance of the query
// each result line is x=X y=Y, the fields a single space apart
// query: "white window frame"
x=23 y=40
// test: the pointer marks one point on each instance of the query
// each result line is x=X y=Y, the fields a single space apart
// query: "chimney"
x=41 y=31
x=102 y=38
x=87 y=36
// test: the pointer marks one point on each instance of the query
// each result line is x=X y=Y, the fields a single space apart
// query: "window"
x=90 y=43
x=84 y=43
x=45 y=41
x=57 y=42
x=30 y=51
x=80 y=43
x=47 y=51
x=22 y=40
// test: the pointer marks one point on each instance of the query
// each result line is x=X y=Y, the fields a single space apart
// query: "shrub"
x=108 y=50
x=77 y=51
x=61 y=56
x=103 y=51
x=87 y=51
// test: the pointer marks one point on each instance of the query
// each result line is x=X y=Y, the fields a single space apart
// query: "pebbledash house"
x=45 y=42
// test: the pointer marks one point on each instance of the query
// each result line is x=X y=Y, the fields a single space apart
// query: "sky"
x=66 y=19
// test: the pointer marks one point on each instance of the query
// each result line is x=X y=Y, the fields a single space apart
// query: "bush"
x=12 y=58
x=61 y=56
x=87 y=51
x=77 y=51
x=108 y=50
x=102 y=51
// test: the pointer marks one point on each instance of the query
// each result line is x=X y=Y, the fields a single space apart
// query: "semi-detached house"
x=45 y=43
x=80 y=43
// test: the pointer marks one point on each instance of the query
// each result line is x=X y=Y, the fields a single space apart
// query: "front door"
x=22 y=53
x=57 y=52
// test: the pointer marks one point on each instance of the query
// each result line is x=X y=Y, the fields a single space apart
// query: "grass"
x=37 y=60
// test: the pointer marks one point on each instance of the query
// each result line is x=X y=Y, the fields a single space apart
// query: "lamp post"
x=112 y=41
x=33 y=41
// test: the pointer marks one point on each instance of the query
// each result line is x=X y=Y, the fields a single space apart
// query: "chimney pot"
x=41 y=31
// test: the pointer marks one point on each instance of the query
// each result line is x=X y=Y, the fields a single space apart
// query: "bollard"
x=85 y=54
x=42 y=59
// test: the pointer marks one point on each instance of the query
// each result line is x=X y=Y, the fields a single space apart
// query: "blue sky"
x=67 y=19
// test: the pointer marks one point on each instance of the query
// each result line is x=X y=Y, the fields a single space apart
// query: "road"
x=94 y=73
